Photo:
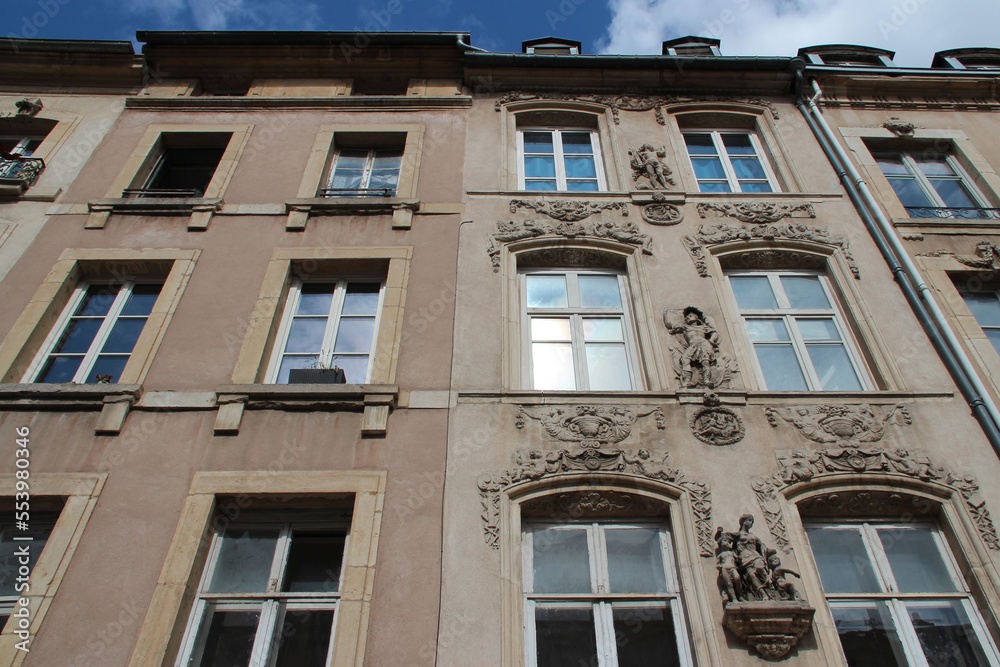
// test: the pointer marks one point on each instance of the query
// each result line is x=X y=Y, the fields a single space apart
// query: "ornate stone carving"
x=803 y=466
x=697 y=360
x=843 y=425
x=588 y=425
x=660 y=212
x=716 y=425
x=899 y=128
x=750 y=571
x=723 y=233
x=536 y=464
x=772 y=629
x=648 y=163
x=758 y=212
x=774 y=259
x=912 y=236
x=28 y=107
x=864 y=503
x=592 y=504
x=987 y=256
x=568 y=210
x=508 y=232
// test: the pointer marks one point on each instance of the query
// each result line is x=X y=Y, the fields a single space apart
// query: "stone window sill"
x=200 y=209
x=113 y=400
x=401 y=208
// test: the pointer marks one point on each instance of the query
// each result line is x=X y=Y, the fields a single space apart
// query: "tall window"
x=933 y=186
x=578 y=331
x=557 y=159
x=268 y=596
x=184 y=166
x=93 y=338
x=601 y=594
x=897 y=597
x=797 y=333
x=365 y=172
x=14 y=542
x=729 y=161
x=985 y=306
x=14 y=151
x=326 y=325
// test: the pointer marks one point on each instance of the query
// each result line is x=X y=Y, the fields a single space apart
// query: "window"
x=269 y=594
x=896 y=596
x=365 y=172
x=985 y=308
x=184 y=165
x=603 y=594
x=15 y=151
x=933 y=186
x=13 y=543
x=327 y=325
x=94 y=337
x=728 y=161
x=797 y=334
x=578 y=329
x=558 y=159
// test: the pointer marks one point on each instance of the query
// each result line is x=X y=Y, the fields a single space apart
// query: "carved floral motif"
x=697 y=360
x=660 y=212
x=508 y=232
x=757 y=212
x=648 y=163
x=568 y=210
x=588 y=425
x=843 y=425
x=987 y=256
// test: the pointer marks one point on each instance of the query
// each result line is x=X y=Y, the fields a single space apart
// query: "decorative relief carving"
x=774 y=259
x=864 y=503
x=589 y=425
x=723 y=233
x=843 y=425
x=717 y=426
x=912 y=236
x=568 y=210
x=697 y=360
x=758 y=212
x=770 y=628
x=899 y=128
x=987 y=256
x=601 y=503
x=536 y=464
x=648 y=162
x=28 y=107
x=508 y=232
x=802 y=466
x=660 y=212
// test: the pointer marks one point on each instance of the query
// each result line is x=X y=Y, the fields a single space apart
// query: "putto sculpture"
x=649 y=162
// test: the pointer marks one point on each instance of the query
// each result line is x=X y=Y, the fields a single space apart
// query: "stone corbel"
x=300 y=210
x=112 y=418
x=770 y=628
x=230 y=415
x=375 y=419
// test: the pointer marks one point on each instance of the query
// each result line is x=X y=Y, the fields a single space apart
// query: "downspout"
x=920 y=298
x=469 y=46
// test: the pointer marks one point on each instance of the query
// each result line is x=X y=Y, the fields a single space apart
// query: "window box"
x=316 y=376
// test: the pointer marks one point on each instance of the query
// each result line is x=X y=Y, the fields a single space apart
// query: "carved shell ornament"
x=844 y=425
x=510 y=231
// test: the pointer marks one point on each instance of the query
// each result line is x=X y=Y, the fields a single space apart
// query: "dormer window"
x=551 y=46
x=847 y=55
x=972 y=58
x=691 y=46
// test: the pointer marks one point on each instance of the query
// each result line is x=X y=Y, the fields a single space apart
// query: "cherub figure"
x=729 y=572
x=779 y=578
x=648 y=161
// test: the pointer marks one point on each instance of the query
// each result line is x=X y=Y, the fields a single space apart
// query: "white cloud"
x=230 y=14
x=914 y=29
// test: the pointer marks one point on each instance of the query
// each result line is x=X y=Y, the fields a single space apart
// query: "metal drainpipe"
x=900 y=263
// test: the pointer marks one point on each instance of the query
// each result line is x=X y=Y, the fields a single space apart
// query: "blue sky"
x=915 y=29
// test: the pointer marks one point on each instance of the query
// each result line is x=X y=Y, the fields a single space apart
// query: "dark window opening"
x=187 y=169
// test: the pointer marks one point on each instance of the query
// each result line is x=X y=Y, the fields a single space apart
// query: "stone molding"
x=757 y=212
x=841 y=425
x=568 y=210
x=660 y=212
x=590 y=426
x=510 y=231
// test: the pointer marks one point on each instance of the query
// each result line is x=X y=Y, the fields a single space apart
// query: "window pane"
x=346 y=179
x=781 y=368
x=387 y=158
x=244 y=562
x=355 y=368
x=59 y=369
x=635 y=560
x=582 y=186
x=540 y=185
x=994 y=337
x=354 y=335
x=9 y=558
x=565 y=637
x=833 y=548
x=833 y=367
x=708 y=168
x=599 y=292
x=288 y=363
x=305 y=638
x=909 y=192
x=754 y=186
x=762 y=330
x=107 y=365
x=953 y=193
x=539 y=167
x=984 y=307
x=868 y=636
x=538 y=142
x=934 y=166
x=607 y=367
x=352 y=159
x=124 y=335
x=705 y=186
x=559 y=560
x=804 y=292
x=98 y=300
x=915 y=560
x=753 y=292
x=553 y=366
x=580 y=167
x=315 y=298
x=544 y=328
x=700 y=144
x=306 y=334
x=738 y=144
x=314 y=562
x=78 y=336
x=546 y=291
x=141 y=301
x=230 y=639
x=576 y=142
x=645 y=636
x=893 y=166
x=748 y=168
x=603 y=329
x=383 y=179
x=817 y=329
x=945 y=634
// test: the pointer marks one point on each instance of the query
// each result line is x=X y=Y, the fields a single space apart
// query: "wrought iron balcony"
x=160 y=194
x=954 y=212
x=22 y=171
x=358 y=192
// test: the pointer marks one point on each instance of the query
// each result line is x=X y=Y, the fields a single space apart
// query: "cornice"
x=345 y=102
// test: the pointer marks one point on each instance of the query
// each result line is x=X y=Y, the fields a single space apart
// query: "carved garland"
x=589 y=425
x=803 y=466
x=758 y=212
x=568 y=210
x=842 y=425
x=510 y=231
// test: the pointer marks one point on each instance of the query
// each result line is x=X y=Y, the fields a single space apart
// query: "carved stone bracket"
x=696 y=357
x=842 y=425
x=758 y=212
x=803 y=466
x=536 y=464
x=28 y=107
x=590 y=426
x=715 y=234
x=508 y=232
x=649 y=168
x=987 y=256
x=568 y=210
x=899 y=128
x=660 y=212
x=772 y=629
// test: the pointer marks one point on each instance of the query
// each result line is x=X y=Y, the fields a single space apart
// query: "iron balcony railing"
x=954 y=212
x=24 y=169
x=358 y=192
x=150 y=192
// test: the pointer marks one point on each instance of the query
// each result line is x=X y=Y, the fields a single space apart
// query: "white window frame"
x=576 y=315
x=87 y=363
x=21 y=148
x=924 y=183
x=599 y=600
x=368 y=168
x=272 y=603
x=787 y=314
x=559 y=157
x=896 y=601
x=332 y=324
x=734 y=183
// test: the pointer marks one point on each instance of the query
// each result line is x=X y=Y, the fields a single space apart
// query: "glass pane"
x=559 y=560
x=700 y=144
x=762 y=330
x=355 y=368
x=582 y=186
x=893 y=166
x=383 y=179
x=552 y=364
x=602 y=329
x=544 y=328
x=565 y=637
x=546 y=291
x=635 y=560
x=230 y=639
x=59 y=369
x=868 y=636
x=141 y=301
x=124 y=335
x=580 y=167
x=9 y=558
x=946 y=635
x=753 y=292
x=833 y=368
x=708 y=168
x=814 y=329
x=346 y=179
x=539 y=167
x=78 y=336
x=98 y=300
x=804 y=292
x=352 y=159
x=538 y=142
x=645 y=636
x=934 y=166
x=576 y=142
x=540 y=185
x=305 y=638
x=953 y=193
x=387 y=158
x=780 y=367
x=607 y=367
x=306 y=334
x=314 y=561
x=288 y=363
x=315 y=298
x=915 y=560
x=599 y=292
x=909 y=192
x=107 y=365
x=755 y=186
x=738 y=144
x=244 y=562
x=832 y=548
x=984 y=307
x=361 y=298
x=748 y=168
x=354 y=335
x=706 y=186
x=994 y=337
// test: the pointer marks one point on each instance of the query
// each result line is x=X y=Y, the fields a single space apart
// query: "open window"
x=184 y=165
